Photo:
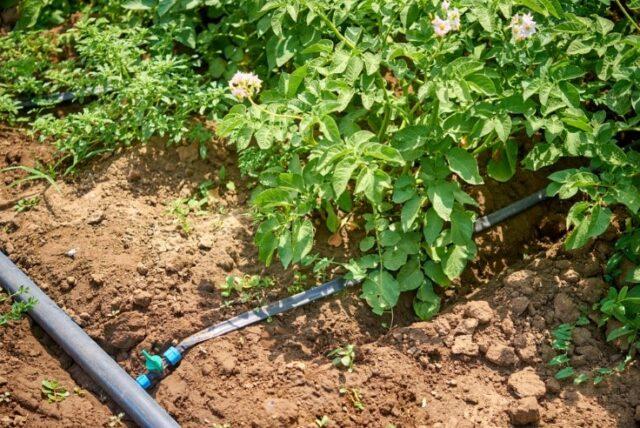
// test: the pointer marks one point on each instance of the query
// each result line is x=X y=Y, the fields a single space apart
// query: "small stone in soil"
x=96 y=280
x=95 y=218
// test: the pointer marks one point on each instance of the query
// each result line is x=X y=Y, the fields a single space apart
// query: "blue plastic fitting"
x=144 y=381
x=172 y=355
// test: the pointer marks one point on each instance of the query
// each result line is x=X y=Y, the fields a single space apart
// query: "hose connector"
x=158 y=366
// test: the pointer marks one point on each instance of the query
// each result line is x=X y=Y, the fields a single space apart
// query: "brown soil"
x=137 y=281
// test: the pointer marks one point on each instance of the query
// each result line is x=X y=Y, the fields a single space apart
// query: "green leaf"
x=558 y=360
x=302 y=240
x=381 y=291
x=455 y=260
x=579 y=47
x=441 y=197
x=625 y=330
x=373 y=183
x=410 y=141
x=409 y=212
x=271 y=198
x=481 y=83
x=570 y=94
x=138 y=4
x=426 y=303
x=581 y=378
x=502 y=165
x=554 y=7
x=628 y=195
x=464 y=164
x=165 y=5
x=29 y=13
x=603 y=25
x=266 y=241
x=633 y=275
x=285 y=249
x=600 y=220
x=502 y=125
x=435 y=272
x=330 y=129
x=410 y=276
x=367 y=243
x=484 y=17
x=534 y=5
x=264 y=137
x=394 y=258
x=371 y=62
x=542 y=154
x=579 y=235
x=432 y=226
x=461 y=226
x=565 y=373
x=342 y=174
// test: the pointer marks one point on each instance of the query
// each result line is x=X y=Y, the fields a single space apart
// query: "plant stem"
x=387 y=108
x=333 y=28
x=626 y=13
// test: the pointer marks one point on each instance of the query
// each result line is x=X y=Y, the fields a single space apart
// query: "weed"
x=27 y=204
x=354 y=396
x=298 y=284
x=19 y=307
x=323 y=422
x=116 y=420
x=344 y=357
x=46 y=174
x=182 y=208
x=5 y=397
x=247 y=286
x=54 y=391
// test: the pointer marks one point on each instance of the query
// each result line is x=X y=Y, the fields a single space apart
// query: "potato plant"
x=370 y=114
x=385 y=113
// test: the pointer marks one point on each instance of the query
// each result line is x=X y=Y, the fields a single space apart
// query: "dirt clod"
x=519 y=305
x=464 y=345
x=501 y=355
x=479 y=310
x=526 y=383
x=525 y=411
x=565 y=308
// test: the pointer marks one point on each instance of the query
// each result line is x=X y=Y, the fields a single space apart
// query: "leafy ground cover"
x=370 y=119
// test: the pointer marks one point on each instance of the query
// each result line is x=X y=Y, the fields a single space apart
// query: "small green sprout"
x=344 y=357
x=54 y=391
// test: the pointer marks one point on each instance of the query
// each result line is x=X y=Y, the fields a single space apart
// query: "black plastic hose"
x=50 y=100
x=337 y=284
x=265 y=312
x=116 y=382
x=517 y=207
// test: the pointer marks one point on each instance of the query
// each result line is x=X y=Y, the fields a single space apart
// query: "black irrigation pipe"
x=116 y=382
x=174 y=354
x=48 y=101
x=61 y=97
